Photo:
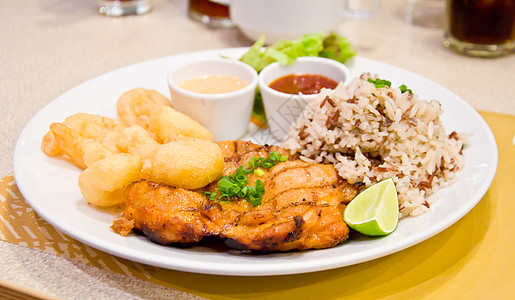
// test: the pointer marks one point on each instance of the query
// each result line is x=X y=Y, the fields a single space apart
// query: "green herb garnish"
x=236 y=185
x=211 y=196
x=381 y=83
x=259 y=172
x=404 y=88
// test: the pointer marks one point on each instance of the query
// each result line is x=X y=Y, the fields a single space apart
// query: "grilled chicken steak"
x=301 y=208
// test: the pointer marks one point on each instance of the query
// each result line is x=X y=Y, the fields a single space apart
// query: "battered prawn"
x=88 y=126
x=153 y=111
x=81 y=151
x=152 y=141
x=185 y=163
x=137 y=141
x=135 y=106
x=104 y=182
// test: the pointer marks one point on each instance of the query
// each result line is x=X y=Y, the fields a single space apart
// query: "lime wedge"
x=375 y=211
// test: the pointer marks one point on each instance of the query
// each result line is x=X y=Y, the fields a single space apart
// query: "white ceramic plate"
x=50 y=185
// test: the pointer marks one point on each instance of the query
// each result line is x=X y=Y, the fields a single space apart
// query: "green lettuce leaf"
x=286 y=52
x=337 y=48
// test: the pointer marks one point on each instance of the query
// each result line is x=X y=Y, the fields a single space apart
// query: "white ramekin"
x=282 y=109
x=226 y=115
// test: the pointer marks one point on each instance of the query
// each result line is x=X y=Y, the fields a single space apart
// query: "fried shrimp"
x=92 y=126
x=104 y=182
x=81 y=151
x=137 y=141
x=135 y=106
x=151 y=141
x=153 y=111
x=168 y=123
x=88 y=126
x=50 y=146
x=185 y=163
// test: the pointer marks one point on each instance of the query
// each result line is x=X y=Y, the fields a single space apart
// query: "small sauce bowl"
x=226 y=115
x=282 y=109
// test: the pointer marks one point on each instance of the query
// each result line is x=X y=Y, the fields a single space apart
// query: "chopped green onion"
x=224 y=183
x=380 y=83
x=260 y=186
x=260 y=161
x=404 y=89
x=274 y=156
x=268 y=165
x=210 y=196
x=252 y=162
x=245 y=191
x=237 y=183
x=241 y=178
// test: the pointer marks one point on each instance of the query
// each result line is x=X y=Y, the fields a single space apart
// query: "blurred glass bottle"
x=360 y=8
x=214 y=13
x=426 y=13
x=117 y=8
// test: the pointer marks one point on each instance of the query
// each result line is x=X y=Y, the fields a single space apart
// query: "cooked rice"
x=370 y=134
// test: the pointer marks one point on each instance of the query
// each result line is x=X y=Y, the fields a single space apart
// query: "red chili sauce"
x=306 y=84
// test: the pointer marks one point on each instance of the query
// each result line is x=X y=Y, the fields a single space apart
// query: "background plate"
x=49 y=185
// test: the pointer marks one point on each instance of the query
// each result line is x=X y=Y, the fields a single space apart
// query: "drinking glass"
x=117 y=8
x=361 y=8
x=214 y=13
x=483 y=28
x=426 y=13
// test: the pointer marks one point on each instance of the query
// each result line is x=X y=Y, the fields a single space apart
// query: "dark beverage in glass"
x=481 y=27
x=211 y=13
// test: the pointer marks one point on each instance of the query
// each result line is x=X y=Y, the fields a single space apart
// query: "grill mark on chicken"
x=315 y=196
x=235 y=146
x=288 y=169
x=294 y=235
x=301 y=208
